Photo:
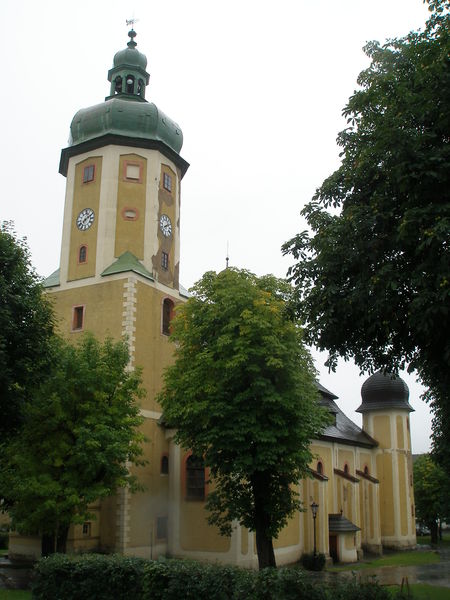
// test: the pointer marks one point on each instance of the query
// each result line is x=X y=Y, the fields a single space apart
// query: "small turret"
x=385 y=408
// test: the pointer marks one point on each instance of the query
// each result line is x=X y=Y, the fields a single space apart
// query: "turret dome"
x=384 y=391
x=130 y=56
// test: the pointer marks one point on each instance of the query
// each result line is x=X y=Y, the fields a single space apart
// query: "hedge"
x=102 y=577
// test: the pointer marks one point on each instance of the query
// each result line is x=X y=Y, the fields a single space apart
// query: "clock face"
x=165 y=225
x=85 y=219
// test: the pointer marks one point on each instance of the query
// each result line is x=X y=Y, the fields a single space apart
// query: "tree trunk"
x=47 y=544
x=61 y=540
x=264 y=543
x=434 y=532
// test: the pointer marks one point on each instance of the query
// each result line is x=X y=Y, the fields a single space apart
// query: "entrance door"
x=334 y=548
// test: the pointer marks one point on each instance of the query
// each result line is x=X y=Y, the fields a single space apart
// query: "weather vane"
x=131 y=22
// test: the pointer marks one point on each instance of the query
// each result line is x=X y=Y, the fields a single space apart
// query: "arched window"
x=366 y=470
x=320 y=467
x=195 y=478
x=130 y=84
x=164 y=464
x=118 y=84
x=82 y=254
x=140 y=89
x=167 y=315
x=346 y=468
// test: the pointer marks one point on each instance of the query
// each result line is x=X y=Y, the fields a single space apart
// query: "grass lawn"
x=398 y=559
x=426 y=539
x=15 y=595
x=423 y=591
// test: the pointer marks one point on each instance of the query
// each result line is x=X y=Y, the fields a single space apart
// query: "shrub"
x=101 y=577
x=88 y=577
x=354 y=589
x=313 y=563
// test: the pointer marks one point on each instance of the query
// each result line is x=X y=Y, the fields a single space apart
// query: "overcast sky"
x=258 y=89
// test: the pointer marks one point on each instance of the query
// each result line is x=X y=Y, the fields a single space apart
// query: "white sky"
x=257 y=87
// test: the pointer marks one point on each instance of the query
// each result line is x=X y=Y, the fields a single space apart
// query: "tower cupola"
x=128 y=75
x=383 y=391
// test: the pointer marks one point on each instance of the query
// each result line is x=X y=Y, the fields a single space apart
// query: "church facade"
x=119 y=276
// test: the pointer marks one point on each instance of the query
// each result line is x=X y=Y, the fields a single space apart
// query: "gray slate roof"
x=343 y=430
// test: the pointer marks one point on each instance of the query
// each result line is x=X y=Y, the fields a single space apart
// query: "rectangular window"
x=167 y=182
x=165 y=261
x=78 y=318
x=133 y=172
x=88 y=173
x=86 y=528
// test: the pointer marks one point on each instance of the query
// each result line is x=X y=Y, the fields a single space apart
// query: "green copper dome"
x=125 y=117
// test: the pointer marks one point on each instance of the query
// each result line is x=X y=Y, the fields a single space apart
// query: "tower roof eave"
x=120 y=140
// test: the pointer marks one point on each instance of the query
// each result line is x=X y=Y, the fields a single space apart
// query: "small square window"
x=78 y=318
x=86 y=528
x=164 y=260
x=88 y=173
x=133 y=172
x=167 y=182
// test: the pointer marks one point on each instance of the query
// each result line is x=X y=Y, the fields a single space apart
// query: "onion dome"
x=383 y=391
x=129 y=56
x=125 y=117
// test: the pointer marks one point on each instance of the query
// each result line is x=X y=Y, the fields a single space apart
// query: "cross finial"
x=227 y=258
x=131 y=22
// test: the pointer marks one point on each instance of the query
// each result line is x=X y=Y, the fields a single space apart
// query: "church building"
x=119 y=276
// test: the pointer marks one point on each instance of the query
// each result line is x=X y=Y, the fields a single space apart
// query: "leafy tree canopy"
x=26 y=329
x=431 y=485
x=373 y=273
x=80 y=431
x=242 y=394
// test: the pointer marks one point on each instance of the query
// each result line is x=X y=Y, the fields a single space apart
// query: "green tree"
x=26 y=329
x=373 y=272
x=79 y=435
x=430 y=495
x=242 y=395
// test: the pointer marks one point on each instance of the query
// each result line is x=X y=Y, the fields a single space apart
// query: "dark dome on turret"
x=383 y=391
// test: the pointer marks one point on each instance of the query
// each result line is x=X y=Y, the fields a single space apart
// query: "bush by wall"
x=100 y=577
x=313 y=563
x=88 y=577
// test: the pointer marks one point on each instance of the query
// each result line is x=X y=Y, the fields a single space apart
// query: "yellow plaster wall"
x=85 y=195
x=244 y=540
x=148 y=505
x=372 y=510
x=346 y=456
x=384 y=467
x=349 y=541
x=131 y=195
x=382 y=430
x=402 y=494
x=400 y=435
x=167 y=206
x=289 y=535
x=108 y=321
x=153 y=349
x=195 y=533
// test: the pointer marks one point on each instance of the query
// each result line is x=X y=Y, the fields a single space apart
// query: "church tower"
x=385 y=409
x=119 y=271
